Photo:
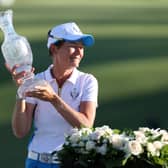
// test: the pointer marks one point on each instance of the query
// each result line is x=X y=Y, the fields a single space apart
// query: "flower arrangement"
x=103 y=147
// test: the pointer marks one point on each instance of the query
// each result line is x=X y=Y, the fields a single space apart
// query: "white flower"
x=135 y=147
x=74 y=138
x=99 y=132
x=90 y=145
x=102 y=149
x=104 y=128
x=164 y=134
x=104 y=131
x=118 y=141
x=144 y=129
x=95 y=136
x=140 y=137
x=86 y=131
x=84 y=137
x=93 y=141
x=158 y=145
x=152 y=149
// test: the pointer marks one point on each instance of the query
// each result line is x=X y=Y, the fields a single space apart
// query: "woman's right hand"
x=16 y=77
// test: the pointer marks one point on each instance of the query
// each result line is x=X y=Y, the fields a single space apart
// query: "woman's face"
x=69 y=54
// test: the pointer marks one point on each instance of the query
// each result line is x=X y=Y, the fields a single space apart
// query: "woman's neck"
x=61 y=76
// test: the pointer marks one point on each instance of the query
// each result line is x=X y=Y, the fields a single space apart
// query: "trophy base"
x=29 y=85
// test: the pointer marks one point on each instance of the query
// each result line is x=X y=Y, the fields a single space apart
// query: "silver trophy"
x=17 y=51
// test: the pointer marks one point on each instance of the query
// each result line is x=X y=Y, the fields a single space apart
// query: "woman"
x=68 y=100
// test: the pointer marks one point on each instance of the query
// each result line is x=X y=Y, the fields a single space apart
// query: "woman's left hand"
x=44 y=92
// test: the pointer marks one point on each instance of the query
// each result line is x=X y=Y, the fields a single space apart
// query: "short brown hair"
x=58 y=44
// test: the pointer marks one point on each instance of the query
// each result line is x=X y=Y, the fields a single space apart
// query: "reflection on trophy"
x=16 y=50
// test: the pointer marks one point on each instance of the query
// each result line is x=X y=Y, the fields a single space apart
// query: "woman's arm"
x=23 y=112
x=84 y=117
x=22 y=118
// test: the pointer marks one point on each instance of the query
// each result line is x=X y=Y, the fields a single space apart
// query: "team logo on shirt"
x=74 y=93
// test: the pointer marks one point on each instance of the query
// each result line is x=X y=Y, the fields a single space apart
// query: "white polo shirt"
x=49 y=126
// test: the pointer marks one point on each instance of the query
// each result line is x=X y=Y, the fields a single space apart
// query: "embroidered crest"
x=74 y=93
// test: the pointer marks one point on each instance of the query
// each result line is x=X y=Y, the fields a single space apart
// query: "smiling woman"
x=129 y=59
x=68 y=100
x=74 y=50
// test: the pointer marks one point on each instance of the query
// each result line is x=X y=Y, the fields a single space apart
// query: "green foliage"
x=163 y=160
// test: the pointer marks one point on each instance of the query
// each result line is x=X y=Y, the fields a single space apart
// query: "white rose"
x=118 y=141
x=103 y=131
x=102 y=149
x=95 y=135
x=74 y=138
x=164 y=134
x=140 y=137
x=84 y=138
x=86 y=131
x=135 y=147
x=106 y=129
x=90 y=145
x=158 y=145
x=144 y=129
x=152 y=149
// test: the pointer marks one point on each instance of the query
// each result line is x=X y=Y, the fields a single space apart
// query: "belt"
x=44 y=157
